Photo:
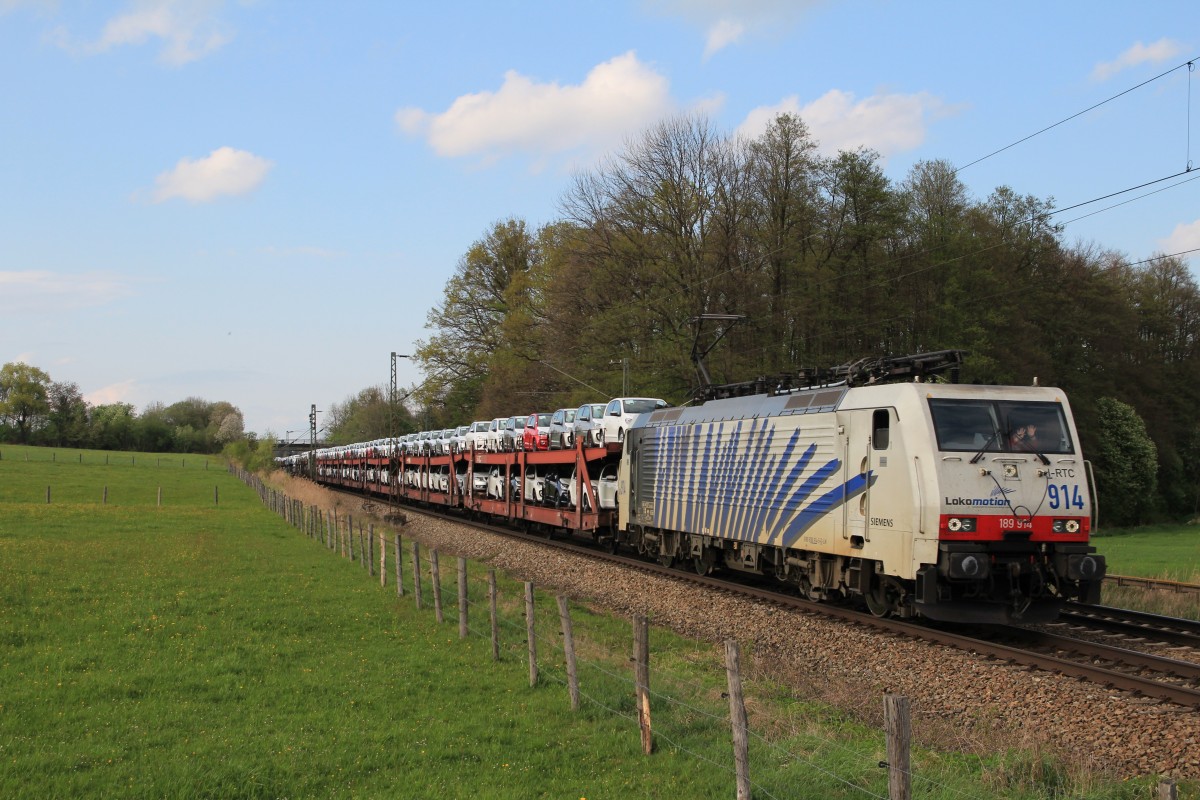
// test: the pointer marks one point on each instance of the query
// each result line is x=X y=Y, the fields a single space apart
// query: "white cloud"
x=727 y=22
x=1154 y=53
x=187 y=29
x=224 y=171
x=1186 y=236
x=889 y=123
x=113 y=393
x=37 y=292
x=722 y=33
x=618 y=97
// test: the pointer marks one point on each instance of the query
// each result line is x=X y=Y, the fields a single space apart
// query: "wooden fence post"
x=1167 y=789
x=382 y=559
x=530 y=634
x=492 y=615
x=564 y=616
x=737 y=717
x=216 y=497
x=462 y=597
x=399 y=570
x=160 y=496
x=370 y=551
x=896 y=722
x=641 y=659
x=416 y=559
x=436 y=574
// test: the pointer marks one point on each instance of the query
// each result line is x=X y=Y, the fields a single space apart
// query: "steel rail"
x=1172 y=630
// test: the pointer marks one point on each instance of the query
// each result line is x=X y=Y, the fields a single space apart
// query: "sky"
x=260 y=201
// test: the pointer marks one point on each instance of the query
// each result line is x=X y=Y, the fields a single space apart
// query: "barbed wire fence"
x=672 y=710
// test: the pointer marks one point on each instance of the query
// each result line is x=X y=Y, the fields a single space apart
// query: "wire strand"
x=1073 y=116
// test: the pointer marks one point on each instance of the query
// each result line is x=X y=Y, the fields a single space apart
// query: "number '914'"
x=1065 y=496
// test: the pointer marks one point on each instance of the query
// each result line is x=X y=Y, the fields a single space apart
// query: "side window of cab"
x=881 y=428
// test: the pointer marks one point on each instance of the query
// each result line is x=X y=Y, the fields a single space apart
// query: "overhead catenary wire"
x=1188 y=64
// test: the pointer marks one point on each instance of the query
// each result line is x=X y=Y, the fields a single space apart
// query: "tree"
x=785 y=170
x=468 y=322
x=112 y=426
x=24 y=398
x=67 y=418
x=364 y=417
x=230 y=428
x=1126 y=463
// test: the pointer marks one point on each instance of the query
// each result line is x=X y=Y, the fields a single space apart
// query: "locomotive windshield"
x=1000 y=426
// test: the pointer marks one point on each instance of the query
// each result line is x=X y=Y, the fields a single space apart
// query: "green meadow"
x=1165 y=552
x=1169 y=552
x=200 y=649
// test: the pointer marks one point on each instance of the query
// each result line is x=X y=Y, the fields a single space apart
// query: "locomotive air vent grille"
x=825 y=400
x=666 y=417
x=797 y=402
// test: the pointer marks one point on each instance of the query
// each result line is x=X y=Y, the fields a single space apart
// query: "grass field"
x=211 y=650
x=1170 y=552
x=1166 y=552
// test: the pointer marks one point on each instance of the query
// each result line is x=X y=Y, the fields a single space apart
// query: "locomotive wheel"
x=701 y=566
x=884 y=598
x=666 y=559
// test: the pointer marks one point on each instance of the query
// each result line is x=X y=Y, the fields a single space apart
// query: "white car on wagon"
x=620 y=413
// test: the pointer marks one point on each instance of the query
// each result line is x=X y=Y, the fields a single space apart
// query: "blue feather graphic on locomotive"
x=739 y=485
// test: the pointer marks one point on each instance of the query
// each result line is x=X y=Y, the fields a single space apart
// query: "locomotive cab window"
x=880 y=429
x=1000 y=426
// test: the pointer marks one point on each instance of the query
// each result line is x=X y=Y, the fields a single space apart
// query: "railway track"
x=1112 y=666
x=1136 y=626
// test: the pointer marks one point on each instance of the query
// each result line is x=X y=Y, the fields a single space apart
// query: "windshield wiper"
x=986 y=445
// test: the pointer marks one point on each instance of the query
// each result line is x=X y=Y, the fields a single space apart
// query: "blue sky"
x=259 y=201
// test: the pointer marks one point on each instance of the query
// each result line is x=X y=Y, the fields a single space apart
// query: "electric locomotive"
x=959 y=503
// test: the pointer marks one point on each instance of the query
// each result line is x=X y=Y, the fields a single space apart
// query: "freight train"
x=919 y=498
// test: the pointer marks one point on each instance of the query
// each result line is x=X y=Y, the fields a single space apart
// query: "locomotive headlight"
x=1065 y=526
x=961 y=524
x=955 y=524
x=1072 y=526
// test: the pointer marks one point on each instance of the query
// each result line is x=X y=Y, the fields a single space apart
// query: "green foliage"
x=24 y=398
x=365 y=417
x=253 y=454
x=1125 y=461
x=37 y=411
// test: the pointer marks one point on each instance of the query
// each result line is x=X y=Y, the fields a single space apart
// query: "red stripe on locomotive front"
x=994 y=528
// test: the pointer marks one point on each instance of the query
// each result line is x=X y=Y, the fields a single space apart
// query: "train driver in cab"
x=1024 y=437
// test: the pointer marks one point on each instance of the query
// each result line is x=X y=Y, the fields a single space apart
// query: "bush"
x=1126 y=464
